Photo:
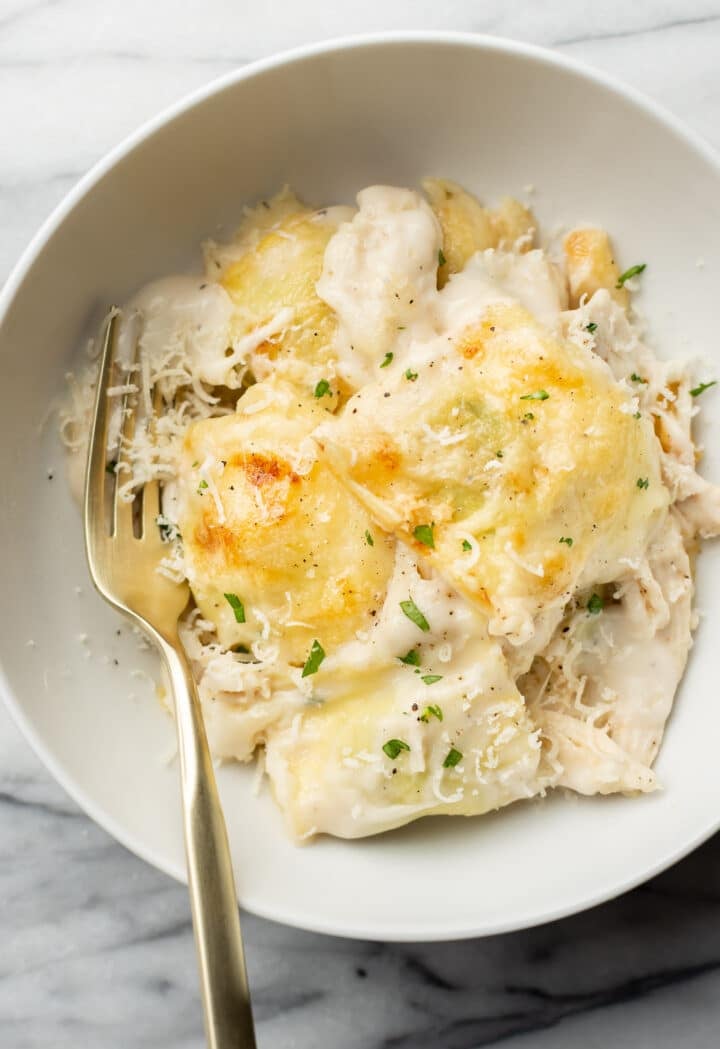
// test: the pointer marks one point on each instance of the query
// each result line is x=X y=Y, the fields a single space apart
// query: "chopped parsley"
x=591 y=327
x=566 y=539
x=410 y=375
x=538 y=395
x=393 y=747
x=237 y=606
x=595 y=605
x=702 y=387
x=433 y=711
x=430 y=679
x=414 y=614
x=638 y=378
x=202 y=486
x=195 y=465
x=111 y=467
x=642 y=482
x=441 y=258
x=499 y=455
x=411 y=659
x=466 y=545
x=323 y=389
x=387 y=359
x=528 y=416
x=368 y=538
x=168 y=529
x=634 y=271
x=312 y=664
x=637 y=415
x=424 y=534
x=452 y=758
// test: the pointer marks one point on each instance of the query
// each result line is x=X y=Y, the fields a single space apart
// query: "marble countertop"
x=97 y=946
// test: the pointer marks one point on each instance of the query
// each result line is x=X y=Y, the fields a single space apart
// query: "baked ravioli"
x=510 y=460
x=436 y=500
x=274 y=544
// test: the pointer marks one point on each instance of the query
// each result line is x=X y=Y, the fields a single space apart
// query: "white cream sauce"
x=380 y=277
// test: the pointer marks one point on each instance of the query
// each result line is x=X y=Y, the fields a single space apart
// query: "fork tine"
x=95 y=473
x=150 y=509
x=151 y=506
x=123 y=509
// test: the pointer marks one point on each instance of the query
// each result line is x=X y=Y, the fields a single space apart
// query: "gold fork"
x=124 y=569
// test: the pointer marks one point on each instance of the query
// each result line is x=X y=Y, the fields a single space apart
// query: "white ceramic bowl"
x=495 y=116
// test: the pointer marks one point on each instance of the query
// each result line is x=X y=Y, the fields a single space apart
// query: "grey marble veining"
x=97 y=946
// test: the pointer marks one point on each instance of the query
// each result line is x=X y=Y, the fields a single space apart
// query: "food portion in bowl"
x=435 y=499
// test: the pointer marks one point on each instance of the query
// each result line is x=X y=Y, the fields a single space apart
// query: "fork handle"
x=213 y=898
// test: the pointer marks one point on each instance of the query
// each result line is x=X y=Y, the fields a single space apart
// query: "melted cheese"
x=189 y=321
x=272 y=284
x=378 y=272
x=471 y=446
x=468 y=227
x=328 y=768
x=261 y=518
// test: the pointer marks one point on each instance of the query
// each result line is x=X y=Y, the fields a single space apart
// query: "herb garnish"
x=430 y=679
x=414 y=614
x=566 y=539
x=538 y=395
x=312 y=664
x=466 y=545
x=411 y=659
x=168 y=529
x=323 y=389
x=634 y=271
x=424 y=534
x=410 y=375
x=237 y=606
x=595 y=605
x=702 y=387
x=638 y=378
x=433 y=711
x=368 y=538
x=441 y=258
x=591 y=327
x=393 y=747
x=387 y=359
x=642 y=482
x=453 y=757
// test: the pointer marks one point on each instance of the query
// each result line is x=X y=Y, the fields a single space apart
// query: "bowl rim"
x=475 y=41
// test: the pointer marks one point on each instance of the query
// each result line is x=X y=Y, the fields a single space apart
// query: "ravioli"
x=511 y=460
x=405 y=723
x=266 y=522
x=287 y=327
x=468 y=227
